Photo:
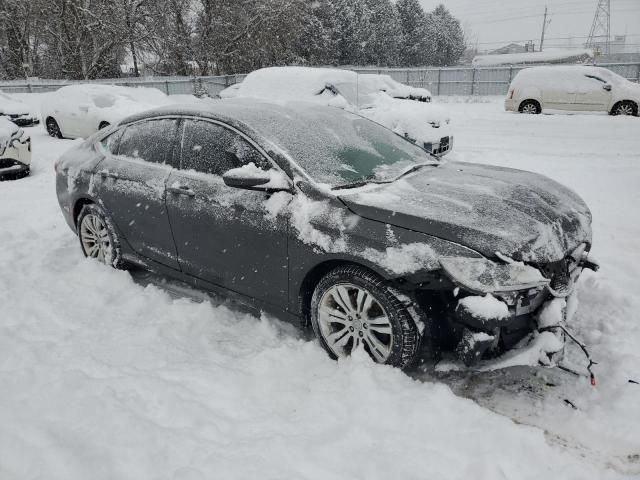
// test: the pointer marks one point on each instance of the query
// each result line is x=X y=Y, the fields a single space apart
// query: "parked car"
x=405 y=110
x=17 y=111
x=322 y=216
x=575 y=88
x=15 y=151
x=80 y=110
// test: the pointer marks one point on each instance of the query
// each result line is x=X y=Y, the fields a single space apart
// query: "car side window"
x=150 y=140
x=111 y=142
x=211 y=148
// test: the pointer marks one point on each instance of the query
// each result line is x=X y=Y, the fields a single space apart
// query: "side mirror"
x=244 y=178
x=250 y=177
x=607 y=87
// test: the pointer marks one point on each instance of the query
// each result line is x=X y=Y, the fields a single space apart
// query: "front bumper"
x=505 y=302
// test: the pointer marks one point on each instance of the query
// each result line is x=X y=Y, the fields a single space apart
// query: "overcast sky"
x=493 y=23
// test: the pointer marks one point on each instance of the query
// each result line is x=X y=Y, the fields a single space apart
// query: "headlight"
x=482 y=276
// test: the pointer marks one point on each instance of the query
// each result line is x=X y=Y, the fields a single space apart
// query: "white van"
x=575 y=88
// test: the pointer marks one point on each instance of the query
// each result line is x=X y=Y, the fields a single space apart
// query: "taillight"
x=511 y=93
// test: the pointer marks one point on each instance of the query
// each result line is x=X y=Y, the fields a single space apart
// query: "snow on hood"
x=422 y=122
x=7 y=129
x=12 y=106
x=523 y=215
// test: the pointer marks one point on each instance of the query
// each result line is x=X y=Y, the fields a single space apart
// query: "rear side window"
x=214 y=149
x=151 y=140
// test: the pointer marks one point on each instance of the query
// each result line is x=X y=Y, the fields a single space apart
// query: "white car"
x=15 y=151
x=78 y=111
x=575 y=88
x=405 y=110
x=17 y=111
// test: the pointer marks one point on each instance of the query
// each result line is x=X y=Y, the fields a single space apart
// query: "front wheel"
x=625 y=108
x=353 y=307
x=97 y=236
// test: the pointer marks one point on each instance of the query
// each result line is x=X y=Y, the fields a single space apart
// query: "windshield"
x=341 y=148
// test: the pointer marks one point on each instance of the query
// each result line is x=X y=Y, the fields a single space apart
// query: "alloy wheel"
x=624 y=109
x=529 y=108
x=350 y=317
x=95 y=238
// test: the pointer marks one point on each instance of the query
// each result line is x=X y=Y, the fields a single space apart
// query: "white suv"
x=576 y=88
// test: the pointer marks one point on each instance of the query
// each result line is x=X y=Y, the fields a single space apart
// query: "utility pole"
x=544 y=27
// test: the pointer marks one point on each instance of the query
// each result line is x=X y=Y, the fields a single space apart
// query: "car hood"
x=523 y=215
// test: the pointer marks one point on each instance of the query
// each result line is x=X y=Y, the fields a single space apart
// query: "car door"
x=558 y=91
x=225 y=235
x=593 y=93
x=130 y=182
x=71 y=114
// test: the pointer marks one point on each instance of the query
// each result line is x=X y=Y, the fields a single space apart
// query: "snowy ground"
x=104 y=376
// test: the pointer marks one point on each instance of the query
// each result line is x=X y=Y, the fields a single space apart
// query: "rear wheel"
x=98 y=238
x=353 y=307
x=530 y=107
x=53 y=129
x=625 y=108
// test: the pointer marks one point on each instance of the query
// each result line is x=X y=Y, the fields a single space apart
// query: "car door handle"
x=181 y=190
x=107 y=173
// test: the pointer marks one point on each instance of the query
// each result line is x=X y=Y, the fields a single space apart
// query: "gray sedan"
x=326 y=218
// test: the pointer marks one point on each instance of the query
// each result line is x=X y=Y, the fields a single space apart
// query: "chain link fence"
x=440 y=81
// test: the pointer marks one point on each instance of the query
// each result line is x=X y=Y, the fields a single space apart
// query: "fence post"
x=473 y=81
x=510 y=73
x=166 y=86
x=638 y=72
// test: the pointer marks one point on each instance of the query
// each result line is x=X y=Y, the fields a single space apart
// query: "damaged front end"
x=501 y=304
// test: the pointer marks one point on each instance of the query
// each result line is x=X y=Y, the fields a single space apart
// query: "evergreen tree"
x=446 y=36
x=415 y=46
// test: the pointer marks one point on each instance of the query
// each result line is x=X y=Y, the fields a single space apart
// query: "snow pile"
x=487 y=307
x=549 y=56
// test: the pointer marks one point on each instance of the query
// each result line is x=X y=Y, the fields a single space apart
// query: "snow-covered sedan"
x=78 y=111
x=574 y=88
x=403 y=109
x=324 y=217
x=15 y=151
x=17 y=111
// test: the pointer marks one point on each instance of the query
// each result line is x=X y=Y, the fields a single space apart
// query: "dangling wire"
x=592 y=377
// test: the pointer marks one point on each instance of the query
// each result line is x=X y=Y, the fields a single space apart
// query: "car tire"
x=103 y=125
x=53 y=129
x=530 y=107
x=98 y=237
x=625 y=107
x=353 y=306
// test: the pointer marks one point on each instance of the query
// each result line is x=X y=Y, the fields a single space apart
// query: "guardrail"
x=440 y=81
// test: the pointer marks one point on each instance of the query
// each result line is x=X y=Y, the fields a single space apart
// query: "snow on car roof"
x=549 y=72
x=285 y=83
